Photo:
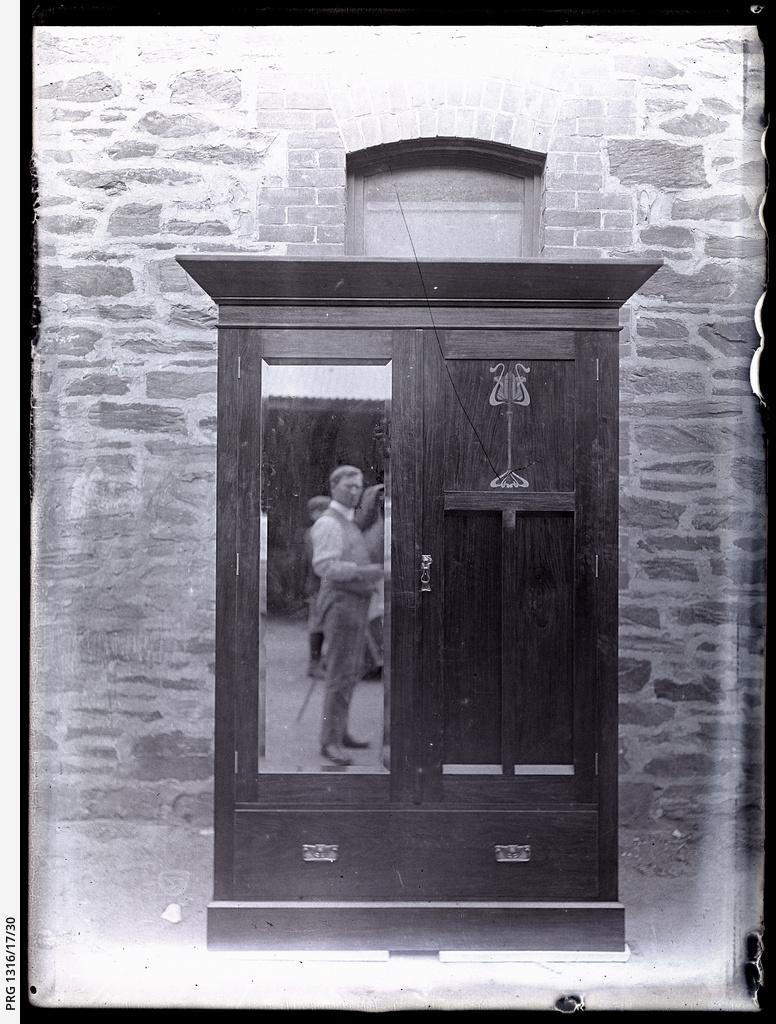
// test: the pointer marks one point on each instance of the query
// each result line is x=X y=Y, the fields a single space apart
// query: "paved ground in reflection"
x=293 y=730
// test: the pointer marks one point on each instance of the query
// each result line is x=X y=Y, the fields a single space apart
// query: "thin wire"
x=436 y=335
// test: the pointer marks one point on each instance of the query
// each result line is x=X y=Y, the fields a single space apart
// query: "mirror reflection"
x=325 y=568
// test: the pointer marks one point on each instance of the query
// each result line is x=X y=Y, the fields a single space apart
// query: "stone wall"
x=151 y=142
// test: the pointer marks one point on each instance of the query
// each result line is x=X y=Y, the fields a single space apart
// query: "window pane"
x=324 y=655
x=445 y=211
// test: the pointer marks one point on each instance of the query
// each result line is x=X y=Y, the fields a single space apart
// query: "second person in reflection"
x=349 y=580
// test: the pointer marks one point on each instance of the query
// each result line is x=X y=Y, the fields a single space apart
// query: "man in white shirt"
x=348 y=581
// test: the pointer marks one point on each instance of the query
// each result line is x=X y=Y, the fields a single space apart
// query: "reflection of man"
x=348 y=578
x=315 y=507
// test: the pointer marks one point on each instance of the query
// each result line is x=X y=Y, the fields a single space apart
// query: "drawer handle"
x=512 y=854
x=319 y=851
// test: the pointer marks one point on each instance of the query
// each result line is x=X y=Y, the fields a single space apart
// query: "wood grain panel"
x=606 y=474
x=323 y=344
x=405 y=428
x=539 y=628
x=299 y=315
x=466 y=344
x=509 y=791
x=226 y=547
x=415 y=854
x=587 y=542
x=516 y=501
x=431 y=604
x=471 y=669
x=542 y=432
x=532 y=280
x=247 y=610
x=417 y=925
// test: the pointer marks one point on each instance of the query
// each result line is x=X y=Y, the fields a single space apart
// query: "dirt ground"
x=97 y=938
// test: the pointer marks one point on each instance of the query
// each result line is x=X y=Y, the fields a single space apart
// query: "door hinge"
x=596 y=762
x=237 y=762
x=596 y=370
x=239 y=367
x=596 y=566
x=237 y=565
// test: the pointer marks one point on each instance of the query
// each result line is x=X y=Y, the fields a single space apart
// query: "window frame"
x=445 y=152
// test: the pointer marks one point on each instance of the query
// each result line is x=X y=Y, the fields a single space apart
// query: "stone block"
x=640 y=615
x=246 y=156
x=130 y=149
x=135 y=219
x=694 y=125
x=660 y=327
x=206 y=89
x=99 y=384
x=710 y=613
x=708 y=208
x=670 y=237
x=174 y=126
x=172 y=755
x=92 y=133
x=86 y=280
x=737 y=247
x=728 y=336
x=137 y=416
x=64 y=224
x=649 y=381
x=190 y=316
x=172 y=277
x=648 y=513
x=642 y=713
x=753 y=172
x=634 y=674
x=197 y=227
x=112 y=183
x=686 y=467
x=704 y=438
x=707 y=691
x=670 y=569
x=91 y=88
x=168 y=384
x=69 y=116
x=709 y=283
x=663 y=165
x=69 y=341
x=681 y=764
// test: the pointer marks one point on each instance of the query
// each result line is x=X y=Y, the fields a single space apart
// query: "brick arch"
x=451 y=152
x=512 y=112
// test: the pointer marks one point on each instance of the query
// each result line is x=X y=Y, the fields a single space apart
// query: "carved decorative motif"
x=509 y=389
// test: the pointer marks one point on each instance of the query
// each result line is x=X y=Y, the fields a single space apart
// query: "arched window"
x=446 y=198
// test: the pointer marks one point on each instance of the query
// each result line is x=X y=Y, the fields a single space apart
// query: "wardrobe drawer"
x=416 y=854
